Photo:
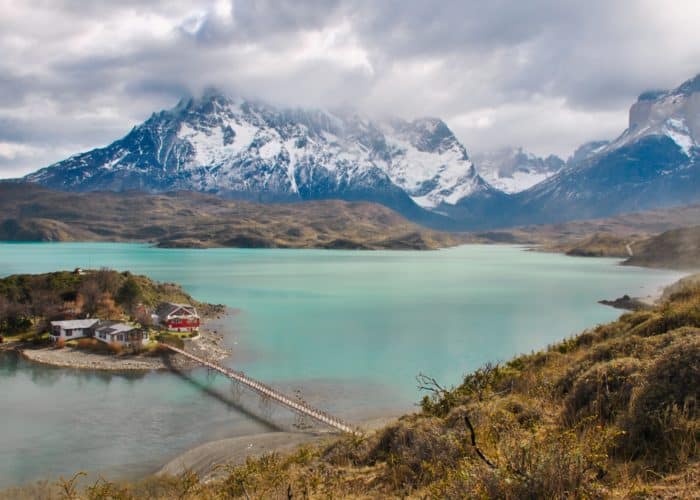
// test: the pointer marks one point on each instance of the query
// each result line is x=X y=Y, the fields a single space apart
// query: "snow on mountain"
x=654 y=163
x=249 y=149
x=585 y=151
x=513 y=170
x=673 y=113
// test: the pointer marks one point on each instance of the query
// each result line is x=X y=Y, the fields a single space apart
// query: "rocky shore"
x=209 y=344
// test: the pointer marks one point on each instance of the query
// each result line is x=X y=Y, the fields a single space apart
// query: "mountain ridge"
x=250 y=150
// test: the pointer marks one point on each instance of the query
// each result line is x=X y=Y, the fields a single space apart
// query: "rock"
x=626 y=302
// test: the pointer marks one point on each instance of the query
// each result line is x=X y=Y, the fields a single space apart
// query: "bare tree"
x=90 y=296
x=107 y=280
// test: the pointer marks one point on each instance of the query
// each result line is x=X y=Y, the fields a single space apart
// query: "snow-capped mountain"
x=672 y=113
x=513 y=170
x=248 y=149
x=654 y=163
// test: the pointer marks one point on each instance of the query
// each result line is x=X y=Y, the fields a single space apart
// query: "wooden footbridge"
x=268 y=392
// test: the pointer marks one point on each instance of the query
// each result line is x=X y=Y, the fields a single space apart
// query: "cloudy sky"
x=543 y=74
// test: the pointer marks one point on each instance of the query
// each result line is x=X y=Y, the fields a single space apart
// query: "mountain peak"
x=690 y=86
x=250 y=149
x=512 y=169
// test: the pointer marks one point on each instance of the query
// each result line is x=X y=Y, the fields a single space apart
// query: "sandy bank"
x=209 y=460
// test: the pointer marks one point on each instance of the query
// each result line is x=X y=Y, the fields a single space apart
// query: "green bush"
x=170 y=339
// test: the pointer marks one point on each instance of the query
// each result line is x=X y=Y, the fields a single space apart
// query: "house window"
x=102 y=335
x=120 y=337
x=69 y=333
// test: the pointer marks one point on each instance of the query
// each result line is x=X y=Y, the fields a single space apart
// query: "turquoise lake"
x=350 y=329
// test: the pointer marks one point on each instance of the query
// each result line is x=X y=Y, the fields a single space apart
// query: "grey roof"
x=115 y=328
x=75 y=324
x=164 y=309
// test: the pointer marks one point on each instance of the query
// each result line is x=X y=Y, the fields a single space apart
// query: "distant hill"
x=184 y=219
x=678 y=249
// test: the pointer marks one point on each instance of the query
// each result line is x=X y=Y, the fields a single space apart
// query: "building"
x=73 y=329
x=178 y=317
x=121 y=334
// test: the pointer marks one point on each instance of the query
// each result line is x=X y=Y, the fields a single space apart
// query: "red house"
x=178 y=317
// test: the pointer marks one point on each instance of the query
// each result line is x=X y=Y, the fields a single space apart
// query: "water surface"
x=351 y=329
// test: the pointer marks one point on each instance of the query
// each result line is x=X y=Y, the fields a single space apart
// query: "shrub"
x=170 y=339
x=115 y=348
x=416 y=452
x=532 y=466
x=662 y=422
x=602 y=391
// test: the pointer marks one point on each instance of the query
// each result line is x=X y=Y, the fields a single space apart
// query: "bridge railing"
x=266 y=390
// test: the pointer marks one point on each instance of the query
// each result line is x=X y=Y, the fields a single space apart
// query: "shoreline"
x=211 y=459
x=209 y=343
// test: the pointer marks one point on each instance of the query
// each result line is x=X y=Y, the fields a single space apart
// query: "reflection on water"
x=349 y=329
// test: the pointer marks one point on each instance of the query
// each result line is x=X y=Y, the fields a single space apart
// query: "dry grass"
x=195 y=220
x=611 y=412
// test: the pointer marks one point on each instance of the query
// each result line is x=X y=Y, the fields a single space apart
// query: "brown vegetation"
x=195 y=220
x=677 y=249
x=29 y=302
x=612 y=412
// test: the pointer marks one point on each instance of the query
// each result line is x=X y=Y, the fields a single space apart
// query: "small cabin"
x=73 y=329
x=121 y=334
x=178 y=317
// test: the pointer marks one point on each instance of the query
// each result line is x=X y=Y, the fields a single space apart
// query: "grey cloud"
x=543 y=74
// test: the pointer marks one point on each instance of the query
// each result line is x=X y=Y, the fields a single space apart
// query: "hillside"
x=27 y=301
x=611 y=412
x=605 y=237
x=678 y=249
x=186 y=219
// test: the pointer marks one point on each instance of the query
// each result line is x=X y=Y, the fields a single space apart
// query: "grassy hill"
x=186 y=219
x=678 y=248
x=599 y=237
x=28 y=301
x=612 y=412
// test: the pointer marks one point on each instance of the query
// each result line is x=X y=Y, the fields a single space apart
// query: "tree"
x=90 y=296
x=143 y=316
x=129 y=294
x=107 y=280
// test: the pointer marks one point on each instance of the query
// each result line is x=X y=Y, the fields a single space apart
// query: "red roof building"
x=178 y=317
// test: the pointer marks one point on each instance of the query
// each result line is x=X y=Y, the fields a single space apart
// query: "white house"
x=72 y=329
x=121 y=334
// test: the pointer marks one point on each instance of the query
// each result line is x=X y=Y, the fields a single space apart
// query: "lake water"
x=350 y=329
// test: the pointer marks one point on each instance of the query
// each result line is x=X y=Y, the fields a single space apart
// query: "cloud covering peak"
x=546 y=75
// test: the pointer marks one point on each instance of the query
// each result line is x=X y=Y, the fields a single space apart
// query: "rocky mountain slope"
x=250 y=150
x=654 y=163
x=513 y=170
